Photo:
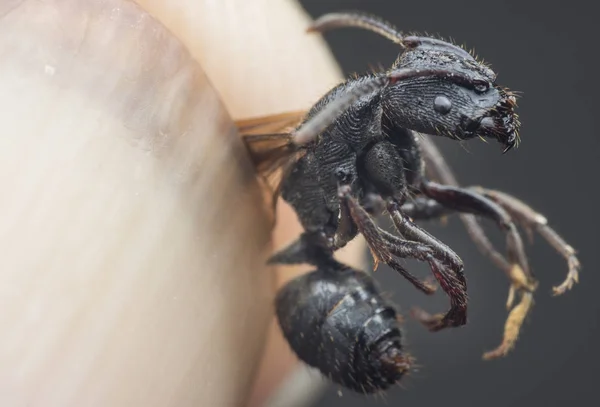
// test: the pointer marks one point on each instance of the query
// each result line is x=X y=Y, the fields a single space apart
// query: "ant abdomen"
x=337 y=321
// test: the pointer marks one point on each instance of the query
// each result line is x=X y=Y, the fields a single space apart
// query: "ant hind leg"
x=454 y=200
x=438 y=169
x=529 y=219
x=468 y=201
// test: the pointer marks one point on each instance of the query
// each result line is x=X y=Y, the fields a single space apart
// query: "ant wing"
x=273 y=156
x=269 y=143
x=276 y=123
x=270 y=152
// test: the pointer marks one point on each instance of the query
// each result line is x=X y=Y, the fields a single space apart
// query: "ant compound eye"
x=442 y=104
x=481 y=86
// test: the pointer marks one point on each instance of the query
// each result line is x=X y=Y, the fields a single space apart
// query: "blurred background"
x=548 y=51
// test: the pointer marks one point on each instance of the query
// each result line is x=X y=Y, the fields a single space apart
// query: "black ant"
x=363 y=150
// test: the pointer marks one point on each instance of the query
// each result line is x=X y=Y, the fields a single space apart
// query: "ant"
x=363 y=150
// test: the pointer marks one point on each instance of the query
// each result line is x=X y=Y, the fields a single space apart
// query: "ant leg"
x=464 y=200
x=425 y=209
x=438 y=169
x=422 y=208
x=383 y=167
x=384 y=246
x=522 y=213
x=317 y=249
x=447 y=268
x=532 y=220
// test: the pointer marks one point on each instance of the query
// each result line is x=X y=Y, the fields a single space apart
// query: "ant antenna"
x=384 y=28
x=359 y=20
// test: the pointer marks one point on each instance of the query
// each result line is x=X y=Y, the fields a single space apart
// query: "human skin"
x=133 y=231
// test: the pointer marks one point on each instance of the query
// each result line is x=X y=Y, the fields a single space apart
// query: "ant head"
x=453 y=94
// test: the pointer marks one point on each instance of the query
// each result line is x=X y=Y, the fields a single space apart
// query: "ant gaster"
x=361 y=151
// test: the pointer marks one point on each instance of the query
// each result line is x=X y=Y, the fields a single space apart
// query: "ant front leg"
x=384 y=169
x=384 y=246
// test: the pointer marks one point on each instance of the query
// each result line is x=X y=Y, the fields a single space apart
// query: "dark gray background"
x=548 y=51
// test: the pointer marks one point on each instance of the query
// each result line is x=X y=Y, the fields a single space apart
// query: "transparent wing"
x=268 y=140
